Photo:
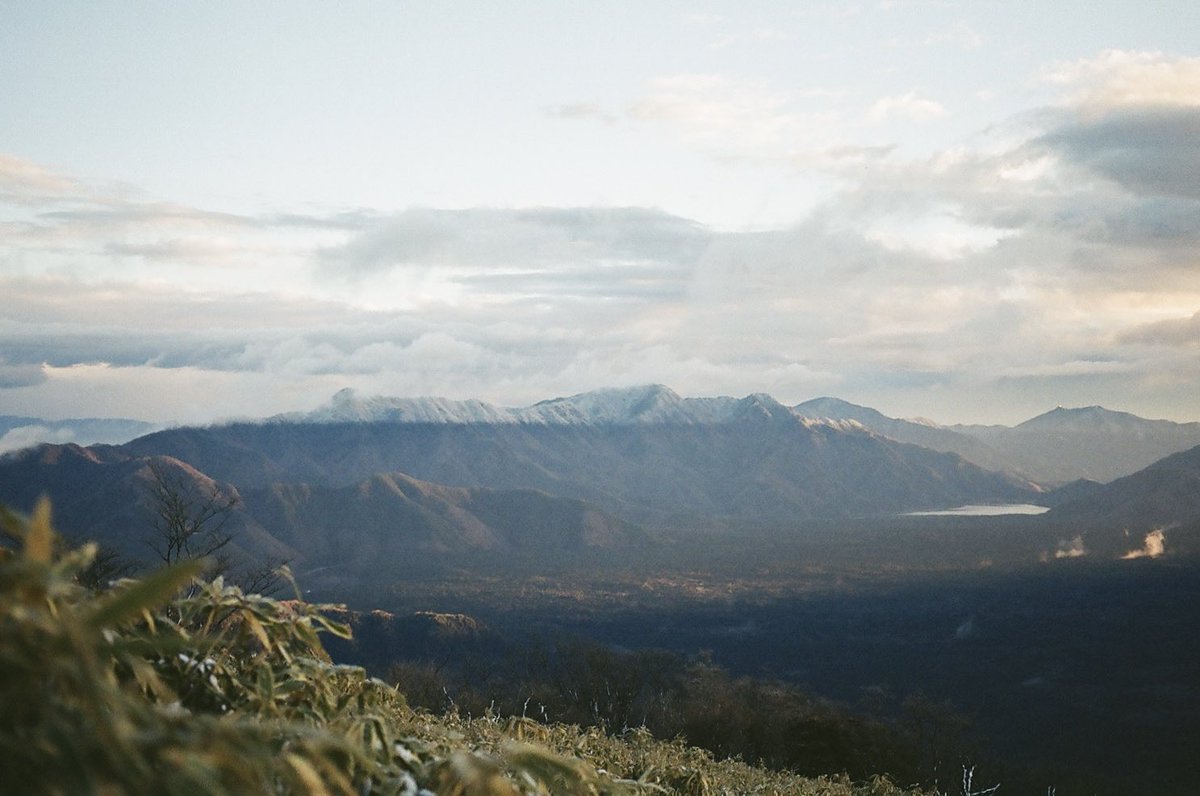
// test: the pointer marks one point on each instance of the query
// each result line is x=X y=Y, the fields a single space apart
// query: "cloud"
x=1072 y=549
x=1068 y=369
x=1122 y=78
x=1049 y=257
x=907 y=105
x=940 y=233
x=736 y=121
x=27 y=436
x=21 y=374
x=1153 y=547
x=537 y=251
x=753 y=37
x=26 y=183
x=574 y=111
x=959 y=34
x=1151 y=151
x=1176 y=332
x=728 y=118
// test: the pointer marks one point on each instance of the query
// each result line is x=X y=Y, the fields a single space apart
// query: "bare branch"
x=186 y=525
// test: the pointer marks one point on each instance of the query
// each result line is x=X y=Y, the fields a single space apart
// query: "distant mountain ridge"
x=924 y=433
x=1056 y=447
x=361 y=482
x=1091 y=442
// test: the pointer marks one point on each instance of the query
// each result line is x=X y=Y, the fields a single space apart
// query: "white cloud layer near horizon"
x=1048 y=256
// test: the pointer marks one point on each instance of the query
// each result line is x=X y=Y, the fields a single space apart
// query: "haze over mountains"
x=1056 y=447
x=21 y=432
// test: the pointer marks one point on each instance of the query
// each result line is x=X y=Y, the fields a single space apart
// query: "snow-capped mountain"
x=650 y=404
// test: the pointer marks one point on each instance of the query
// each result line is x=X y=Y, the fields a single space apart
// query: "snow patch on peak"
x=837 y=409
x=643 y=405
x=760 y=406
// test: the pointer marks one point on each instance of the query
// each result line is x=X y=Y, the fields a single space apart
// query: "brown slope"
x=391 y=516
x=103 y=494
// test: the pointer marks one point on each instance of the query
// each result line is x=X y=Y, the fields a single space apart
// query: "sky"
x=964 y=211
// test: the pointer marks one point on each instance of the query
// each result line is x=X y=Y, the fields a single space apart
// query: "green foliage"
x=176 y=686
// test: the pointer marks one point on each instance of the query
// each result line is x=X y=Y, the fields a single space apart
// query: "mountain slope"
x=1091 y=442
x=927 y=435
x=104 y=494
x=391 y=516
x=1165 y=493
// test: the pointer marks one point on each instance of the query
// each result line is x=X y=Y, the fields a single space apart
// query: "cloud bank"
x=1051 y=259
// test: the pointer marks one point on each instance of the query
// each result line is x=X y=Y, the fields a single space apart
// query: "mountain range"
x=1057 y=447
x=364 y=480
x=645 y=455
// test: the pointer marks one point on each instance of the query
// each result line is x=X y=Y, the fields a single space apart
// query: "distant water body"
x=982 y=511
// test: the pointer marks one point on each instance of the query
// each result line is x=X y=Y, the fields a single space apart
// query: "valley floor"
x=1062 y=672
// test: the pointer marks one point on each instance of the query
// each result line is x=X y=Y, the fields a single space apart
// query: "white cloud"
x=1071 y=549
x=1153 y=547
x=959 y=34
x=1117 y=78
x=1054 y=258
x=702 y=18
x=575 y=111
x=908 y=105
x=26 y=436
x=24 y=183
x=752 y=37
x=940 y=234
x=719 y=113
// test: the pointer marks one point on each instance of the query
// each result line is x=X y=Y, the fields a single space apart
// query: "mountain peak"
x=760 y=406
x=614 y=405
x=1083 y=418
x=836 y=409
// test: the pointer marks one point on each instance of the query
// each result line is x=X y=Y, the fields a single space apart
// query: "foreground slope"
x=140 y=690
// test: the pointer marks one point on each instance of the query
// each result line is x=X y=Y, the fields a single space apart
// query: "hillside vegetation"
x=170 y=684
